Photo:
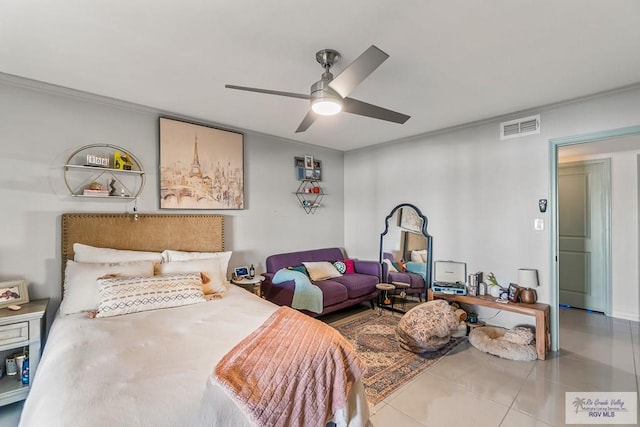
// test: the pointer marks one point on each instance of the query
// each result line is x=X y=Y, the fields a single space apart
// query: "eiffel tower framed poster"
x=201 y=167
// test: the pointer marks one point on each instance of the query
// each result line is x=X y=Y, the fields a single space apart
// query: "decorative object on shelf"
x=201 y=167
x=11 y=367
x=99 y=160
x=482 y=289
x=252 y=272
x=13 y=292
x=84 y=180
x=122 y=161
x=308 y=162
x=25 y=371
x=309 y=194
x=304 y=172
x=514 y=292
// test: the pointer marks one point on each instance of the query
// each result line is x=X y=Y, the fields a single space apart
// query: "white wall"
x=480 y=194
x=40 y=126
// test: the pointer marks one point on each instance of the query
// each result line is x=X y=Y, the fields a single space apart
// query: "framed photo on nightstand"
x=240 y=272
x=13 y=292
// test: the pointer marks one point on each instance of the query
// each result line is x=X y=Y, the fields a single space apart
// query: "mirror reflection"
x=405 y=250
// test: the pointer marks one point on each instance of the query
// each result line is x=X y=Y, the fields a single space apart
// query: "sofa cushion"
x=332 y=292
x=321 y=270
x=415 y=280
x=357 y=285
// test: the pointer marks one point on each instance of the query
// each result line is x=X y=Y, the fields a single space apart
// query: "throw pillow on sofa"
x=321 y=270
x=345 y=266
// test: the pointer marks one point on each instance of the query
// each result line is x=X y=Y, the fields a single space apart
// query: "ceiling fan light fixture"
x=326 y=106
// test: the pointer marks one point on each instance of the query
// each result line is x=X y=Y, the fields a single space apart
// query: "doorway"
x=554 y=145
x=584 y=194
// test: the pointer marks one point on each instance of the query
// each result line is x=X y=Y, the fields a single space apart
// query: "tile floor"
x=470 y=388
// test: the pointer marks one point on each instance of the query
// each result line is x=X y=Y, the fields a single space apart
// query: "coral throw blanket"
x=291 y=371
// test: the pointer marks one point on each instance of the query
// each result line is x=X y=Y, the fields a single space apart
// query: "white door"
x=583 y=228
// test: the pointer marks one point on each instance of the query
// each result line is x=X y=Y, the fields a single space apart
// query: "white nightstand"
x=18 y=330
x=252 y=285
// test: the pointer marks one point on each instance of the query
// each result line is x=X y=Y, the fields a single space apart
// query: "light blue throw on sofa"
x=417 y=267
x=306 y=295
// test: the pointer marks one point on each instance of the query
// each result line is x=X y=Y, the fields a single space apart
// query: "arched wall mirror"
x=406 y=249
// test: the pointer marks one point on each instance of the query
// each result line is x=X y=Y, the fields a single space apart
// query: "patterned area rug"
x=388 y=365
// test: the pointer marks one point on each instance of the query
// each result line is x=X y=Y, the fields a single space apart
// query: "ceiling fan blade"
x=357 y=71
x=354 y=106
x=306 y=122
x=269 y=92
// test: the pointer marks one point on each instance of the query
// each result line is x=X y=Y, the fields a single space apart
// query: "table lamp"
x=528 y=279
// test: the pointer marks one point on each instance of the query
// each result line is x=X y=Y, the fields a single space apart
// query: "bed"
x=154 y=367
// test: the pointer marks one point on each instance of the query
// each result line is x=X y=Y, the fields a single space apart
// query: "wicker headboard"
x=142 y=232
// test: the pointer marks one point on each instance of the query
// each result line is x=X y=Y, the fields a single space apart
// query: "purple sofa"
x=415 y=280
x=337 y=293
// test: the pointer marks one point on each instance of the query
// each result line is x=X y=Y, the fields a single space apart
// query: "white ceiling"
x=451 y=62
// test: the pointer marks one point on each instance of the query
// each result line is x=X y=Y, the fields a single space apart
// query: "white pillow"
x=125 y=295
x=81 y=282
x=223 y=257
x=390 y=265
x=86 y=253
x=210 y=267
x=321 y=270
x=419 y=256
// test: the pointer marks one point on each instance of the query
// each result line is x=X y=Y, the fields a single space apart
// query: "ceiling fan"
x=329 y=95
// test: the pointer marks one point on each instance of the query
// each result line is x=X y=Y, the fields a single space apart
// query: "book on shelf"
x=97 y=193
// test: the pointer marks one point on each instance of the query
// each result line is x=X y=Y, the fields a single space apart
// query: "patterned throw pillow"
x=125 y=295
x=340 y=266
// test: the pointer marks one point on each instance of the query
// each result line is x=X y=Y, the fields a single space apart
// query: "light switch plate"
x=538 y=224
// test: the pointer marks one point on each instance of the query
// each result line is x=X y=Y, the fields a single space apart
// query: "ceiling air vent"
x=520 y=127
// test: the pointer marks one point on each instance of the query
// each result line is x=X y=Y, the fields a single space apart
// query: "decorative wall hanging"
x=308 y=168
x=201 y=167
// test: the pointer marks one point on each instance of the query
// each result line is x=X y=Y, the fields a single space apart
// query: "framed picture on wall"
x=308 y=162
x=410 y=220
x=201 y=167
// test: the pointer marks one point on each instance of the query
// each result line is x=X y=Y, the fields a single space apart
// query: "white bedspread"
x=149 y=369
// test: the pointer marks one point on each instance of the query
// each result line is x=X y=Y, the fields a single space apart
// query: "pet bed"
x=513 y=344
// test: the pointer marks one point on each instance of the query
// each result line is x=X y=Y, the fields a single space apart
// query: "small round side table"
x=383 y=298
x=250 y=284
x=403 y=286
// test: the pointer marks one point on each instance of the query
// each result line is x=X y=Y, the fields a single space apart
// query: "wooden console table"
x=539 y=311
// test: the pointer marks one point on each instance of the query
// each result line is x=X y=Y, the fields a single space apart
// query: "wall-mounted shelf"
x=117 y=184
x=310 y=195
